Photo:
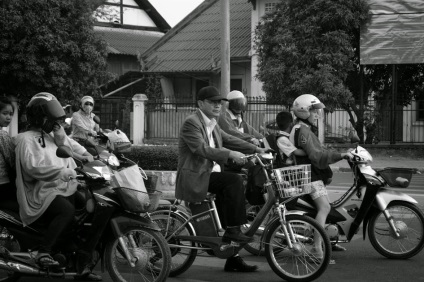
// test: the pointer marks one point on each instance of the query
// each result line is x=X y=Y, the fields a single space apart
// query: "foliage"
x=50 y=45
x=155 y=157
x=153 y=87
x=307 y=47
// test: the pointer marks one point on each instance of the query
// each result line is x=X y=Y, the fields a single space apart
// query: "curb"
x=348 y=169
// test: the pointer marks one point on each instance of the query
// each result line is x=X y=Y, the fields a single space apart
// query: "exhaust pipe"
x=29 y=270
x=19 y=267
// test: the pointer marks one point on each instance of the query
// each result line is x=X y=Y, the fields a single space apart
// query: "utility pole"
x=225 y=47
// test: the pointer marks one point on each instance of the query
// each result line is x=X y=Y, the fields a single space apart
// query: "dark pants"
x=58 y=217
x=230 y=200
x=8 y=199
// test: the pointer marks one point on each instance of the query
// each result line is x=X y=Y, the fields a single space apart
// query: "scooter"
x=129 y=244
x=394 y=222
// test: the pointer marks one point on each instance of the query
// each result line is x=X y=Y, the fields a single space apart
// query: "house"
x=129 y=27
x=188 y=58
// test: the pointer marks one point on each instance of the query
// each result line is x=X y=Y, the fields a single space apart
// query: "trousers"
x=230 y=200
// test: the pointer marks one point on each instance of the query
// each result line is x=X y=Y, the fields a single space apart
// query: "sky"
x=173 y=11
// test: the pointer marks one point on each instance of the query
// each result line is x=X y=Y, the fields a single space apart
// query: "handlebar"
x=258 y=157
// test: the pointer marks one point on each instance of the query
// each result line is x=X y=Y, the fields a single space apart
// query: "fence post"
x=138 y=118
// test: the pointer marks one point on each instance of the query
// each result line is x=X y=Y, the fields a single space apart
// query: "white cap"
x=235 y=94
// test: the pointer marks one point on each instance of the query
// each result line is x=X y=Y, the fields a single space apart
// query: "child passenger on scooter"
x=7 y=158
x=288 y=151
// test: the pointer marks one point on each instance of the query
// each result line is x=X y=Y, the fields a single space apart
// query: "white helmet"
x=235 y=94
x=304 y=103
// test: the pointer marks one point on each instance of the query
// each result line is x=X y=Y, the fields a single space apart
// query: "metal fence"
x=382 y=125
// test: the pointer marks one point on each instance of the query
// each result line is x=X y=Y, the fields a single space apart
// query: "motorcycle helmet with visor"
x=237 y=102
x=303 y=104
x=44 y=110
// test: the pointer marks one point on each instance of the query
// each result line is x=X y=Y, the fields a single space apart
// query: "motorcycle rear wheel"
x=409 y=221
x=153 y=257
x=182 y=258
x=301 y=263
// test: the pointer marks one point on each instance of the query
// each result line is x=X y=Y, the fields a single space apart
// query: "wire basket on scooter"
x=293 y=180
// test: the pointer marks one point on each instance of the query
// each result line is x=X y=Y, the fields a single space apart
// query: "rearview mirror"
x=64 y=152
x=96 y=119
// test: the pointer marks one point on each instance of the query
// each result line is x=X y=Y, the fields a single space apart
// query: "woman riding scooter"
x=308 y=109
x=45 y=189
x=83 y=124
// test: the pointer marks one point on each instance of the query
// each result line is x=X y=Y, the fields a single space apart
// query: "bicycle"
x=288 y=237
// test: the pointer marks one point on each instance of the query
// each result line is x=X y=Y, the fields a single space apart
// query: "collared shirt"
x=237 y=119
x=210 y=125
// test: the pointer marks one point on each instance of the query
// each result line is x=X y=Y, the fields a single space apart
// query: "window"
x=236 y=84
x=269 y=7
x=420 y=110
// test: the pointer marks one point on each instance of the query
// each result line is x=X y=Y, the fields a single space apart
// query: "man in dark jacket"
x=203 y=150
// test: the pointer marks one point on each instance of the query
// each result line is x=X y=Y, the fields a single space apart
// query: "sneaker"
x=237 y=264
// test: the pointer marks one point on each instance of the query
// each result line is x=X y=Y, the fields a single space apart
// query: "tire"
x=153 y=257
x=409 y=220
x=298 y=264
x=182 y=258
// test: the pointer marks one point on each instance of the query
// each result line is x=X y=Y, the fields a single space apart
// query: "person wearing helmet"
x=44 y=187
x=83 y=124
x=232 y=122
x=307 y=108
x=45 y=183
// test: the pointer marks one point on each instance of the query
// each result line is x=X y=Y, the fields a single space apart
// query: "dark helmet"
x=43 y=105
x=237 y=101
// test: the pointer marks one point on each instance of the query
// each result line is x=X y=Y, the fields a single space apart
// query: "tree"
x=50 y=45
x=311 y=46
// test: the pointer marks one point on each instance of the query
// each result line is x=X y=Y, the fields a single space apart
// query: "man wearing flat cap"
x=204 y=148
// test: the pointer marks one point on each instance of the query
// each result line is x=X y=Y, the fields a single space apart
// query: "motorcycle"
x=129 y=245
x=394 y=222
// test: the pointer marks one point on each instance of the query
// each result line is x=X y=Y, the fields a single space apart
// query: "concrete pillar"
x=139 y=118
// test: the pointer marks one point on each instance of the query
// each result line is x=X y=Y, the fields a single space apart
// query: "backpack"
x=280 y=160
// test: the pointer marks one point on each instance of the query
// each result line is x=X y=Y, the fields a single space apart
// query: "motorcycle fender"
x=122 y=222
x=385 y=196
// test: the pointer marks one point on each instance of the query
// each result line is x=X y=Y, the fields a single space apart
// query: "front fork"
x=122 y=242
x=391 y=222
x=287 y=229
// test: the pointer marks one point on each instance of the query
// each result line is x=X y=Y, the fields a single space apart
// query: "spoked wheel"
x=409 y=222
x=303 y=262
x=151 y=257
x=256 y=247
x=169 y=222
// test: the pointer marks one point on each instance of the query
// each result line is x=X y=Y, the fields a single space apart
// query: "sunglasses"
x=88 y=104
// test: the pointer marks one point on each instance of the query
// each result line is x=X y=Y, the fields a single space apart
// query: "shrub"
x=154 y=157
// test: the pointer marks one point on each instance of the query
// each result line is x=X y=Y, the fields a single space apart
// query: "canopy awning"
x=395 y=33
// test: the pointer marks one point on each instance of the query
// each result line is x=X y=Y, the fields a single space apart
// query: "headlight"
x=113 y=161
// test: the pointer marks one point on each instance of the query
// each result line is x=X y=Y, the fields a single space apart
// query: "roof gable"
x=194 y=43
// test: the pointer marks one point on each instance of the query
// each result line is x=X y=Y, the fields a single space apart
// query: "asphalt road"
x=359 y=263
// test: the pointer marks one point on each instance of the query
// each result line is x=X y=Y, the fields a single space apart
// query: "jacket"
x=320 y=158
x=227 y=124
x=196 y=157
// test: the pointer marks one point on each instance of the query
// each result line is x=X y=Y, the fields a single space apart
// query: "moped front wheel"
x=408 y=220
x=149 y=254
x=309 y=255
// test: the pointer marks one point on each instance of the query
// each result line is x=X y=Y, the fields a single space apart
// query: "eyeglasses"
x=88 y=104
x=215 y=102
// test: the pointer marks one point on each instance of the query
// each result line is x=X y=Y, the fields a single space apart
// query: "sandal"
x=45 y=260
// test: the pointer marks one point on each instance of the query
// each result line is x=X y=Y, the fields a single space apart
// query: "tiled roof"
x=127 y=41
x=194 y=43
